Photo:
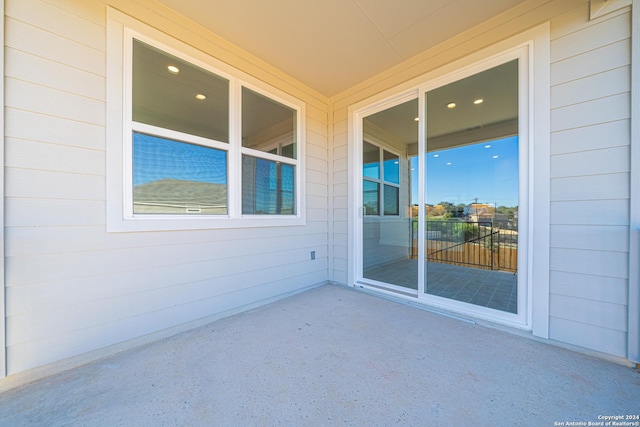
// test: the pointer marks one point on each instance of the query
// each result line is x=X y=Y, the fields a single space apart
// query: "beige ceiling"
x=331 y=45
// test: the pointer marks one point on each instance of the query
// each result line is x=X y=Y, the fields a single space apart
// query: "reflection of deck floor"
x=487 y=288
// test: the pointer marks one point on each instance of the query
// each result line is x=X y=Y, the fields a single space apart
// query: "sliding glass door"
x=471 y=189
x=388 y=250
x=441 y=188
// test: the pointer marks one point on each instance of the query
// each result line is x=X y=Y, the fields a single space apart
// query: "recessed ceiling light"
x=495 y=157
x=478 y=101
x=448 y=163
x=201 y=97
x=173 y=69
x=451 y=105
x=487 y=146
x=436 y=155
x=417 y=119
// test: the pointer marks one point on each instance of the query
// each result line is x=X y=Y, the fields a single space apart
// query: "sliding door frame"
x=532 y=48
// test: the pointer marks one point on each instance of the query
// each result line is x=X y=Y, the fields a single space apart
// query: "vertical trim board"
x=633 y=338
x=3 y=337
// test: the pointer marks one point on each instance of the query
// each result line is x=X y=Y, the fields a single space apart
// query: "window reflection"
x=167 y=99
x=268 y=187
x=172 y=177
x=267 y=125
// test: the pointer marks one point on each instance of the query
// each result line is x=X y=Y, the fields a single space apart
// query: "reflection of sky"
x=157 y=158
x=462 y=174
x=392 y=171
x=264 y=191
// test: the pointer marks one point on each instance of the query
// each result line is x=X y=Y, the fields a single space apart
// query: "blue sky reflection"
x=157 y=158
x=486 y=171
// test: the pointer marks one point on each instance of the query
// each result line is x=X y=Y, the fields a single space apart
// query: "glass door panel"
x=389 y=258
x=471 y=189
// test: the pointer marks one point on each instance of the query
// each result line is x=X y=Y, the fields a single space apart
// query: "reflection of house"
x=485 y=214
x=73 y=287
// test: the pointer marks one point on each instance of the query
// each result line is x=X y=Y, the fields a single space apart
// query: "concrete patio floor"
x=332 y=356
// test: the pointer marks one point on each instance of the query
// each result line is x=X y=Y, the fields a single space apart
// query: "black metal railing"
x=483 y=244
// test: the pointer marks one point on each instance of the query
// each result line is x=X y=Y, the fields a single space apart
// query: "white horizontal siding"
x=589 y=168
x=24 y=95
x=597 y=212
x=24 y=356
x=38 y=184
x=593 y=137
x=592 y=162
x=58 y=49
x=597 y=313
x=608 y=341
x=36 y=325
x=611 y=82
x=57 y=21
x=59 y=266
x=30 y=241
x=591 y=187
x=21 y=153
x=43 y=72
x=595 y=262
x=72 y=287
x=22 y=212
x=340 y=199
x=592 y=237
x=588 y=37
x=30 y=126
x=596 y=288
x=601 y=110
x=29 y=300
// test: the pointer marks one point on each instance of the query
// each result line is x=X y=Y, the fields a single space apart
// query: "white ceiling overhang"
x=332 y=45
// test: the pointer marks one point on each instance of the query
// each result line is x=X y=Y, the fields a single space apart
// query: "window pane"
x=371 y=197
x=268 y=187
x=168 y=99
x=391 y=194
x=268 y=125
x=391 y=167
x=171 y=177
x=370 y=160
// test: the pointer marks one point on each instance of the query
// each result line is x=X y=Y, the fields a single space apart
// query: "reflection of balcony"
x=474 y=244
x=466 y=261
x=482 y=287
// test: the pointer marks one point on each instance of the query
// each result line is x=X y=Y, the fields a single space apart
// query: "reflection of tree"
x=510 y=212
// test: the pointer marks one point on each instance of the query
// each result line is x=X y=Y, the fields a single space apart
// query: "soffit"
x=331 y=45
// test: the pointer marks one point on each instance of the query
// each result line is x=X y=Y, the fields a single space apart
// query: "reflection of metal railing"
x=476 y=244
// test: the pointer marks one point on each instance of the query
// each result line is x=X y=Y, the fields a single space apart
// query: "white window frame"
x=121 y=30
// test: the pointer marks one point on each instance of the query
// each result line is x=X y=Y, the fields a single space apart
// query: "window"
x=380 y=169
x=194 y=143
x=268 y=184
x=171 y=176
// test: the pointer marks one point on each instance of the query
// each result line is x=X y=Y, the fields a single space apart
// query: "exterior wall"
x=590 y=84
x=71 y=287
x=590 y=123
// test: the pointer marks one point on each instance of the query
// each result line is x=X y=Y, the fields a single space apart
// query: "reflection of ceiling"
x=165 y=99
x=495 y=117
x=332 y=45
x=497 y=87
x=168 y=100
